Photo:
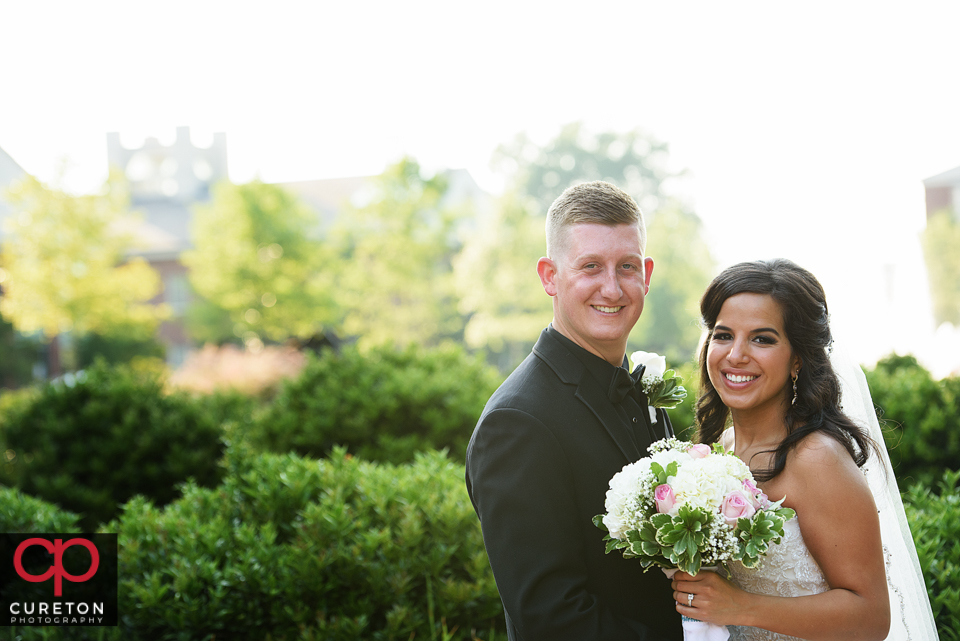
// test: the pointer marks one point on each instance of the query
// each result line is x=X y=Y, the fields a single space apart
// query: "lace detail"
x=788 y=570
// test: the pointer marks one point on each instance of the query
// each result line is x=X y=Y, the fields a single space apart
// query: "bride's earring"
x=795 y=377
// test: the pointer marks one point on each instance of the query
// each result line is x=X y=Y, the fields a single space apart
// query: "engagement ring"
x=689 y=600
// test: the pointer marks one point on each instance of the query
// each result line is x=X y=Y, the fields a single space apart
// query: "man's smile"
x=607 y=310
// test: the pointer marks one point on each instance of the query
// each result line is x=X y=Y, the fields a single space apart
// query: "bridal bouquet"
x=689 y=507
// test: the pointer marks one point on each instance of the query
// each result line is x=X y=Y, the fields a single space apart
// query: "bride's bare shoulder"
x=820 y=455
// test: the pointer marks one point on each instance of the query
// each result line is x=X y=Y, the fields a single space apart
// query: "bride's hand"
x=715 y=600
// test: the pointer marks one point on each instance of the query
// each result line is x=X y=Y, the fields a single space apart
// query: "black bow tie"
x=626 y=384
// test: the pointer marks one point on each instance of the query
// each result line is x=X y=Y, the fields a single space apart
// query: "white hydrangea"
x=704 y=482
x=629 y=489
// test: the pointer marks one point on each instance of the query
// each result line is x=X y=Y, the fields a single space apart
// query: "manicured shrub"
x=20 y=512
x=935 y=524
x=383 y=405
x=90 y=442
x=116 y=349
x=920 y=417
x=293 y=548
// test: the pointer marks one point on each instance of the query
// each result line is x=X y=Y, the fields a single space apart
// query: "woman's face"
x=749 y=359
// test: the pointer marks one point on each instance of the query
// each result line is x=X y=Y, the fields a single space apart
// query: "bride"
x=846 y=567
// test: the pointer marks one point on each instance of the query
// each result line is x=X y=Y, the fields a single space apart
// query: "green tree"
x=64 y=267
x=496 y=272
x=634 y=161
x=18 y=354
x=257 y=260
x=940 y=241
x=395 y=281
x=683 y=268
x=919 y=417
x=496 y=276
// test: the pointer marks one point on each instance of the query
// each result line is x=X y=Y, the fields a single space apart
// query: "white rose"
x=655 y=364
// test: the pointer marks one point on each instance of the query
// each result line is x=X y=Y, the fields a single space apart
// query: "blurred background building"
x=9 y=172
x=942 y=192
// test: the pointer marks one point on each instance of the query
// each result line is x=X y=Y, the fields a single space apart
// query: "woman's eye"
x=721 y=336
x=766 y=340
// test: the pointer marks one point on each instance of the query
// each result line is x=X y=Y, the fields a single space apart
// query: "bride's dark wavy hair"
x=806 y=322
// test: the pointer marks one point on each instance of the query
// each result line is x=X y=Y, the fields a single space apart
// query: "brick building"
x=943 y=192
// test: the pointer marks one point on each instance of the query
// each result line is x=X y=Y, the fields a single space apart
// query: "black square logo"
x=58 y=579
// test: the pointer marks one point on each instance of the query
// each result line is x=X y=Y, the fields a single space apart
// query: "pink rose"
x=664 y=498
x=736 y=506
x=757 y=498
x=699 y=451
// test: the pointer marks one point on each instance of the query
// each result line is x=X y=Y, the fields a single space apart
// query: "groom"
x=561 y=425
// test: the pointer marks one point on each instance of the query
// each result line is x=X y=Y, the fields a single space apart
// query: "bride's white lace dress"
x=788 y=569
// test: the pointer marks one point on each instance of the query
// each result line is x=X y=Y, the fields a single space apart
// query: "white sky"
x=806 y=129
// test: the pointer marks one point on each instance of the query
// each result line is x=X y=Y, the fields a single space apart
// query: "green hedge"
x=293 y=548
x=92 y=441
x=20 y=512
x=384 y=405
x=342 y=549
x=935 y=524
x=920 y=417
x=116 y=349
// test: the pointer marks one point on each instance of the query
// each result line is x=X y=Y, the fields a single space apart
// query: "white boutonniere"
x=662 y=386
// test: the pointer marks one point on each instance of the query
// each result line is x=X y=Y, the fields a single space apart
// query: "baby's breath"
x=665 y=444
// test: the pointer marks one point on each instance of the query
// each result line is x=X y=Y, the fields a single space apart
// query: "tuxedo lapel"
x=596 y=400
x=648 y=434
x=588 y=391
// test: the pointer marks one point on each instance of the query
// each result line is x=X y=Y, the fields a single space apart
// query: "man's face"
x=598 y=280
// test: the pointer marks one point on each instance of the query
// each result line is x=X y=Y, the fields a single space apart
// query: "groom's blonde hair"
x=596 y=202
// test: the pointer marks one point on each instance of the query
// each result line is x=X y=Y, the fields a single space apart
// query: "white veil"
x=911 y=618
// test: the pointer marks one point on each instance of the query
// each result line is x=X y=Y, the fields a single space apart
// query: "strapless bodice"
x=788 y=570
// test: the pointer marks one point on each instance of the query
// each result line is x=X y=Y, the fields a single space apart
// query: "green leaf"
x=648 y=532
x=661 y=520
x=650 y=548
x=658 y=473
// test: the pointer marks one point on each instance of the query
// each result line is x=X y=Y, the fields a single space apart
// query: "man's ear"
x=547 y=270
x=647 y=271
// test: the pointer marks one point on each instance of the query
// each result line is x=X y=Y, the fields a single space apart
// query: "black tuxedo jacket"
x=538 y=468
